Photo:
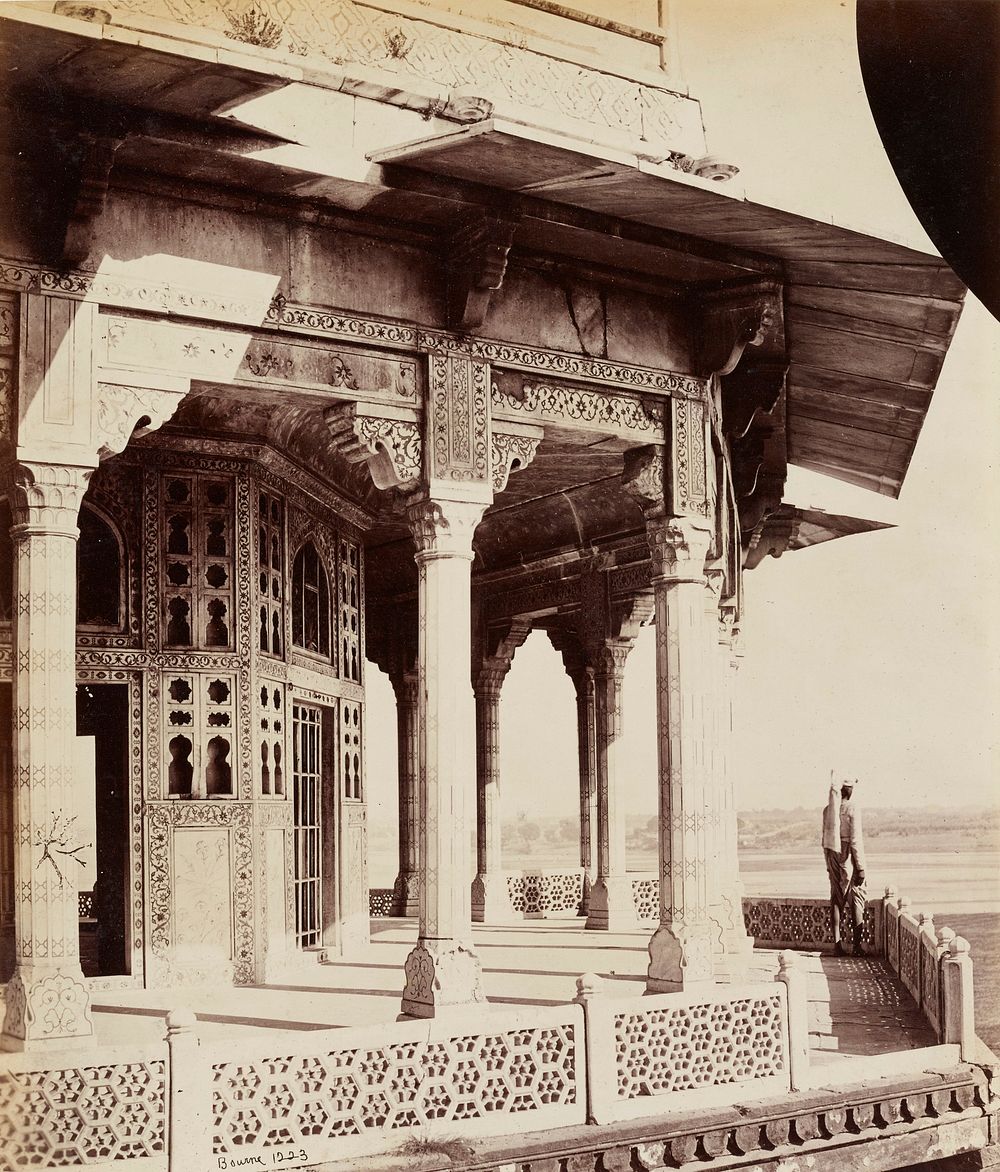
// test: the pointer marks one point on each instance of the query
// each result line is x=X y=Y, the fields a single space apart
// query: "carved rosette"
x=511 y=453
x=124 y=412
x=391 y=446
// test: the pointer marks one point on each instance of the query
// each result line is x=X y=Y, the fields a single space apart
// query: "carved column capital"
x=45 y=498
x=678 y=548
x=125 y=412
x=405 y=687
x=391 y=444
x=443 y=528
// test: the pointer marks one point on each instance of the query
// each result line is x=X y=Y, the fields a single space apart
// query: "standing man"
x=842 y=840
x=852 y=846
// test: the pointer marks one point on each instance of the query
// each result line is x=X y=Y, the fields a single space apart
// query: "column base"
x=441 y=975
x=584 y=907
x=48 y=1008
x=612 y=908
x=491 y=900
x=680 y=959
x=406 y=894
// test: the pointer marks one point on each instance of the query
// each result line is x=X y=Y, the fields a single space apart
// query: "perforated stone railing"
x=673 y=1051
x=542 y=893
x=97 y=1107
x=646 y=896
x=935 y=967
x=295 y=1099
x=380 y=901
x=786 y=922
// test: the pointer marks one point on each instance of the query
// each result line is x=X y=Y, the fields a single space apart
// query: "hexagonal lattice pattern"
x=646 y=897
x=799 y=923
x=380 y=901
x=64 y=1118
x=663 y=1050
x=287 y=1100
x=540 y=895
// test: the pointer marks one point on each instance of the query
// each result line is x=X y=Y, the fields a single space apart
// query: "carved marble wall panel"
x=202 y=896
x=206 y=820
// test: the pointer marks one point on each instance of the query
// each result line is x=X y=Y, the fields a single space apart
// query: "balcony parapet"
x=712 y=1077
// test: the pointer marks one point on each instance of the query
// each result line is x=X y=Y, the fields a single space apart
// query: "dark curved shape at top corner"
x=931 y=70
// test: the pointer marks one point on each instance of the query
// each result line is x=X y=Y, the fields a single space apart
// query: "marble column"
x=406 y=889
x=731 y=946
x=47 y=1002
x=586 y=717
x=738 y=945
x=611 y=905
x=680 y=950
x=443 y=970
x=490 y=895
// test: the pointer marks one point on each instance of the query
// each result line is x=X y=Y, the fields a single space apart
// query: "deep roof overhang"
x=867 y=321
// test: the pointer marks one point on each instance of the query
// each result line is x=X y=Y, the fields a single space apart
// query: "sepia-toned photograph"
x=499 y=646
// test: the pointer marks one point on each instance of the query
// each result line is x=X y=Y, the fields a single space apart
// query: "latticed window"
x=350 y=736
x=198 y=734
x=310 y=603
x=350 y=610
x=270 y=566
x=197 y=534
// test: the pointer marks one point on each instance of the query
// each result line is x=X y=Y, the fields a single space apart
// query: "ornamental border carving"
x=348 y=327
x=161 y=819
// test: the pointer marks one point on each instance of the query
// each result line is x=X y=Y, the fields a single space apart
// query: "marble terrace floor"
x=856 y=1006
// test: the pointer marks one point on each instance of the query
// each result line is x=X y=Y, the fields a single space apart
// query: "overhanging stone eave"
x=817 y=258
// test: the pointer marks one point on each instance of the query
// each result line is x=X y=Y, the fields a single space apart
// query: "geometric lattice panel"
x=664 y=1050
x=800 y=923
x=62 y=1118
x=646 y=897
x=909 y=956
x=295 y=1100
x=540 y=895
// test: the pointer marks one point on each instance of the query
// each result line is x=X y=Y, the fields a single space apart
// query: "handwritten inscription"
x=271 y=1159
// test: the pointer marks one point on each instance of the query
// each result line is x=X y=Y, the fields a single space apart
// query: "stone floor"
x=856 y=1006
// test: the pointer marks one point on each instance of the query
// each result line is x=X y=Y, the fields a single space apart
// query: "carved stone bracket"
x=753 y=388
x=125 y=412
x=477 y=261
x=733 y=318
x=390 y=442
x=774 y=536
x=644 y=478
x=512 y=450
x=87 y=202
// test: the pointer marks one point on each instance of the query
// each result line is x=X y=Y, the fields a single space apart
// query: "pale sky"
x=875 y=654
